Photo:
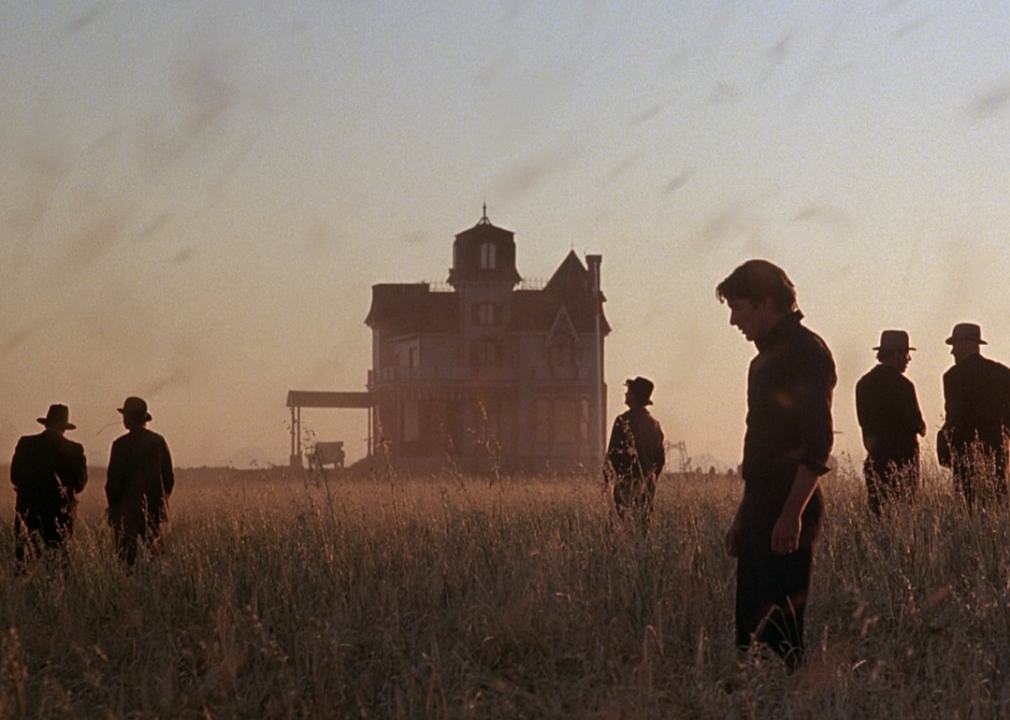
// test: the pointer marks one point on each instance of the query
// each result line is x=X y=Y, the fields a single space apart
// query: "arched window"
x=487 y=256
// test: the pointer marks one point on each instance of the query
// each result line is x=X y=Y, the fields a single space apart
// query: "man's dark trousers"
x=772 y=589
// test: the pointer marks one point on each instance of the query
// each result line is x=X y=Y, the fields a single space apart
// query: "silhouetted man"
x=635 y=456
x=889 y=414
x=47 y=471
x=972 y=441
x=786 y=450
x=140 y=479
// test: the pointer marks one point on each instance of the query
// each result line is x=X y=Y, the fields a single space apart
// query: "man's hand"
x=786 y=534
x=733 y=539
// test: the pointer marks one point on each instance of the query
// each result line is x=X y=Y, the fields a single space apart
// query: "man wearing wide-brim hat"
x=891 y=421
x=635 y=455
x=139 y=480
x=972 y=441
x=48 y=470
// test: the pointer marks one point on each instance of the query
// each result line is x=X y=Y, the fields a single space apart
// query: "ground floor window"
x=561 y=421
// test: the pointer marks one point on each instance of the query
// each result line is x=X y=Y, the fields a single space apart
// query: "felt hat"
x=893 y=340
x=135 y=408
x=966 y=331
x=58 y=418
x=641 y=388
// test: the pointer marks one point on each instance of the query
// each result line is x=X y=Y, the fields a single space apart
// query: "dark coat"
x=47 y=472
x=889 y=415
x=636 y=449
x=140 y=479
x=976 y=394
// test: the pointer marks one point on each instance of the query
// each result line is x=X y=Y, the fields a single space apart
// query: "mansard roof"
x=412 y=308
x=407 y=308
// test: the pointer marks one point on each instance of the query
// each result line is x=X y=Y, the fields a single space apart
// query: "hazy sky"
x=196 y=197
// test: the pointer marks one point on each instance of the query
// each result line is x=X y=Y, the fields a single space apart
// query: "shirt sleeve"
x=18 y=466
x=817 y=371
x=167 y=472
x=115 y=476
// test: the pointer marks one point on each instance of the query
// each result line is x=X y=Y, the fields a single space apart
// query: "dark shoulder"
x=998 y=367
x=869 y=377
x=814 y=353
x=153 y=438
x=811 y=342
x=30 y=441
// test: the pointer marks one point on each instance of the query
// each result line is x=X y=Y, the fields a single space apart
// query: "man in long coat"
x=786 y=450
x=140 y=479
x=635 y=455
x=889 y=415
x=973 y=439
x=47 y=471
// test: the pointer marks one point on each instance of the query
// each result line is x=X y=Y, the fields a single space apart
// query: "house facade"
x=486 y=373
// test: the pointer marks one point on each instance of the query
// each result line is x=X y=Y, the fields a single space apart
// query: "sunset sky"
x=196 y=197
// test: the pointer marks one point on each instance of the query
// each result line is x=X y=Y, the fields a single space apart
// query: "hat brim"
x=881 y=347
x=64 y=426
x=146 y=418
x=951 y=340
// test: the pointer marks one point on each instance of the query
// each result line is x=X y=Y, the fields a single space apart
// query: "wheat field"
x=458 y=597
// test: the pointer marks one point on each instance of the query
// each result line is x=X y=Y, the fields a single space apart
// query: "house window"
x=542 y=420
x=487 y=256
x=562 y=354
x=487 y=314
x=566 y=421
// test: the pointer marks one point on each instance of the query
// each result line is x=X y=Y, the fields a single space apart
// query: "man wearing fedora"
x=47 y=471
x=891 y=421
x=786 y=450
x=972 y=441
x=635 y=455
x=140 y=479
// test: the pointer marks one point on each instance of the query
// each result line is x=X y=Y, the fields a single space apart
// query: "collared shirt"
x=889 y=415
x=789 y=389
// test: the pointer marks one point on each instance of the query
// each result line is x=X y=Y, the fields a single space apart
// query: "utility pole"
x=594 y=262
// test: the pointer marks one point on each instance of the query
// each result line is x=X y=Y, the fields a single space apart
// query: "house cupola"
x=484 y=254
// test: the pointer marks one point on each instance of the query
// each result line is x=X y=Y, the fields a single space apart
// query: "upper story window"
x=487 y=314
x=562 y=352
x=487 y=256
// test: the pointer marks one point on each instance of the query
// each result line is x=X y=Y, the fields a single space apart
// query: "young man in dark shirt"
x=786 y=449
x=891 y=421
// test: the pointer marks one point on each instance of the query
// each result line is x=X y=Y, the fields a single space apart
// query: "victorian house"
x=486 y=372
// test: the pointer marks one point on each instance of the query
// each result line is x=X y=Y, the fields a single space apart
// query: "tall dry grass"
x=460 y=597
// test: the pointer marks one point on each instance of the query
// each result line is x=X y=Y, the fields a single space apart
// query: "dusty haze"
x=197 y=196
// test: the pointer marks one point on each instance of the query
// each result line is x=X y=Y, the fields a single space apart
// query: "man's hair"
x=756 y=280
x=886 y=355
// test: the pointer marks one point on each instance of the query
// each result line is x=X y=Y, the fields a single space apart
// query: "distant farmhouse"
x=485 y=372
